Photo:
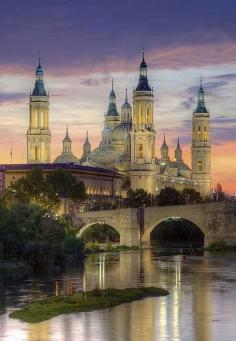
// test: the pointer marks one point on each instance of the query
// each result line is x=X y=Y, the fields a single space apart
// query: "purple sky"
x=85 y=43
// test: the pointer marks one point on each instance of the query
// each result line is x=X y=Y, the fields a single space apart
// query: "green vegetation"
x=97 y=299
x=167 y=196
x=31 y=234
x=44 y=190
x=220 y=246
x=138 y=198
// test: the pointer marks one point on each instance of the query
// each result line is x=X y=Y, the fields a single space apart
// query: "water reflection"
x=192 y=311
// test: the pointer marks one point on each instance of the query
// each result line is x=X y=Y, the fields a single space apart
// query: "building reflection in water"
x=151 y=319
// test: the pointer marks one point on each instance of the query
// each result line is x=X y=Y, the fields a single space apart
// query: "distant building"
x=99 y=182
x=127 y=146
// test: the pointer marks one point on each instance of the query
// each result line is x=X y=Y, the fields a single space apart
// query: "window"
x=205 y=133
x=140 y=151
x=199 y=132
x=148 y=115
x=199 y=165
x=36 y=157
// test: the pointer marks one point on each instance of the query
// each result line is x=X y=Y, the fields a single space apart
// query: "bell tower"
x=201 y=147
x=142 y=168
x=38 y=134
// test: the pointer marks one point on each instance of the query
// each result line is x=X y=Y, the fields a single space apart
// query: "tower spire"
x=164 y=139
x=178 y=152
x=143 y=80
x=201 y=106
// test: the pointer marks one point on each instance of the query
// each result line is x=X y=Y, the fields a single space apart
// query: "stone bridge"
x=216 y=220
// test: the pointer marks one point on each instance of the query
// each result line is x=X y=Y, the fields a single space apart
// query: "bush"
x=108 y=246
x=218 y=246
x=74 y=250
x=39 y=256
x=169 y=196
x=92 y=247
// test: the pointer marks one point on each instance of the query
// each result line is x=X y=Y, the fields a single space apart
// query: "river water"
x=201 y=305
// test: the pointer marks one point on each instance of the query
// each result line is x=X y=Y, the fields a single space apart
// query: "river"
x=201 y=305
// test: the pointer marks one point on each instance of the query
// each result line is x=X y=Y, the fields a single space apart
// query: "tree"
x=169 y=196
x=191 y=196
x=138 y=198
x=45 y=191
x=219 y=194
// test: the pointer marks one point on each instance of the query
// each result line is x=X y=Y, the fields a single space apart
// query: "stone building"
x=127 y=146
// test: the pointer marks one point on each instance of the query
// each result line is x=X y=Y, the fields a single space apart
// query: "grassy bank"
x=97 y=299
x=220 y=247
x=95 y=247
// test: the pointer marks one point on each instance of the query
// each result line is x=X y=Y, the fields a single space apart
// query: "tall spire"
x=86 y=149
x=178 y=143
x=39 y=89
x=126 y=110
x=178 y=152
x=126 y=95
x=164 y=149
x=143 y=80
x=112 y=110
x=201 y=106
x=164 y=140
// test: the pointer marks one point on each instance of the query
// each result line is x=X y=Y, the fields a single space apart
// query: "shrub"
x=92 y=247
x=218 y=246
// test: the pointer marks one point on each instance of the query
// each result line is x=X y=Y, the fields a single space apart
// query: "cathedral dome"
x=121 y=132
x=66 y=158
x=105 y=154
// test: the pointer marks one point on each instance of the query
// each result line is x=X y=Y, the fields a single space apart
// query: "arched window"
x=205 y=133
x=148 y=115
x=140 y=151
x=199 y=165
x=36 y=156
x=199 y=132
x=141 y=115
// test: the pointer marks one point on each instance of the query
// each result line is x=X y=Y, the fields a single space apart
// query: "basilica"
x=127 y=144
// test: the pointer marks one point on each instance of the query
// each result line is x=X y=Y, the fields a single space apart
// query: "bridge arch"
x=88 y=225
x=146 y=237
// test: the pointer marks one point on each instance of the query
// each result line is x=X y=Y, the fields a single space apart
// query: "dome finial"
x=39 y=57
x=126 y=95
x=178 y=145
x=143 y=52
x=201 y=81
x=112 y=83
x=164 y=138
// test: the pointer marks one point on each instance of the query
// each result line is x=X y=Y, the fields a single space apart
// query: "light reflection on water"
x=201 y=305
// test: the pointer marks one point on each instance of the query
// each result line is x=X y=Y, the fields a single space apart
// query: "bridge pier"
x=220 y=223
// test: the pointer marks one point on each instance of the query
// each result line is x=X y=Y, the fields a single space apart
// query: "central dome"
x=121 y=132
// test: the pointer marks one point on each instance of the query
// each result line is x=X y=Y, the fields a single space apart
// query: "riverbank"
x=82 y=301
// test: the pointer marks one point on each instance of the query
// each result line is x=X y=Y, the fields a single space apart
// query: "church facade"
x=128 y=141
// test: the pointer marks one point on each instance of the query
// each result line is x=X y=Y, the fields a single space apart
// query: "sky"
x=84 y=44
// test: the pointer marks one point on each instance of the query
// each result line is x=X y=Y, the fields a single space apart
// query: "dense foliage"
x=32 y=234
x=45 y=190
x=138 y=198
